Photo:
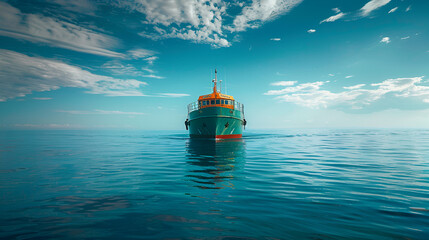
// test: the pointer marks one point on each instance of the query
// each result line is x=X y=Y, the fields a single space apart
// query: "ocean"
x=283 y=184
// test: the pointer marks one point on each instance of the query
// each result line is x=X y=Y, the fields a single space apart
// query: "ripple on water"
x=291 y=184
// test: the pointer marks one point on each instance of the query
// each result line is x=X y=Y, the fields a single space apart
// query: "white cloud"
x=350 y=76
x=393 y=10
x=198 y=21
x=300 y=87
x=36 y=28
x=275 y=39
x=283 y=83
x=261 y=11
x=371 y=6
x=365 y=11
x=355 y=86
x=311 y=30
x=148 y=70
x=42 y=98
x=335 y=17
x=152 y=76
x=203 y=21
x=97 y=111
x=408 y=8
x=331 y=75
x=173 y=95
x=403 y=38
x=198 y=36
x=118 y=68
x=311 y=94
x=150 y=60
x=385 y=40
x=141 y=53
x=21 y=75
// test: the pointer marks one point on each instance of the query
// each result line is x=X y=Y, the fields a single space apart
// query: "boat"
x=215 y=115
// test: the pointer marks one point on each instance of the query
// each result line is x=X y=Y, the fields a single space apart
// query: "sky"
x=136 y=64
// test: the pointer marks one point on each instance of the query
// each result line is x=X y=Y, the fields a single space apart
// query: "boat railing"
x=196 y=106
x=193 y=106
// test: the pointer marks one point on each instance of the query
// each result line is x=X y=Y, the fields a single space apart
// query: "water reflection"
x=212 y=164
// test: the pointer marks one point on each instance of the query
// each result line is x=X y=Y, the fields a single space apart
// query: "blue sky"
x=137 y=64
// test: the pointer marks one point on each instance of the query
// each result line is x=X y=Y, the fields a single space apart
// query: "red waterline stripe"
x=229 y=136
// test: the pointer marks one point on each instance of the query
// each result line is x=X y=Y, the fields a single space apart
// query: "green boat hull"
x=215 y=122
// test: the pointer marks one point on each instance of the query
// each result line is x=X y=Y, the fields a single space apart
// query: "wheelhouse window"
x=212 y=102
x=218 y=101
x=226 y=102
x=204 y=103
x=222 y=102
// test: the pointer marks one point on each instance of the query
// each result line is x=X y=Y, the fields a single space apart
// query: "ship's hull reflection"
x=213 y=163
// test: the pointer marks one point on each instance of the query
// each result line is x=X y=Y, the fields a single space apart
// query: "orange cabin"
x=216 y=99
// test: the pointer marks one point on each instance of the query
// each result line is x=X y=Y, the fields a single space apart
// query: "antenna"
x=215 y=82
x=220 y=82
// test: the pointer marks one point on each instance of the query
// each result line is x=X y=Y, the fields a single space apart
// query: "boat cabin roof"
x=215 y=95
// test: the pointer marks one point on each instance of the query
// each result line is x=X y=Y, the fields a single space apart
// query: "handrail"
x=196 y=106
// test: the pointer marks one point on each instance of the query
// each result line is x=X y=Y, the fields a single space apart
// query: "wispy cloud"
x=150 y=60
x=334 y=17
x=311 y=95
x=311 y=30
x=41 y=29
x=42 y=98
x=393 y=10
x=283 y=83
x=260 y=11
x=275 y=39
x=140 y=53
x=408 y=8
x=97 y=111
x=21 y=75
x=148 y=70
x=350 y=76
x=173 y=95
x=152 y=76
x=385 y=40
x=372 y=5
x=118 y=68
x=365 y=11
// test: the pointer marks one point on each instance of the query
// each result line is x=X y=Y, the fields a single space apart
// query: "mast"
x=215 y=82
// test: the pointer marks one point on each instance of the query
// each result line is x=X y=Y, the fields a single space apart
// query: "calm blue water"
x=291 y=184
